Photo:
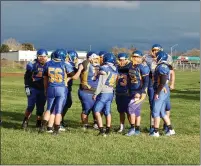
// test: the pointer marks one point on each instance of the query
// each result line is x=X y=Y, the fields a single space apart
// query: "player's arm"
x=101 y=82
x=77 y=74
x=27 y=78
x=145 y=72
x=172 y=78
x=163 y=79
x=45 y=79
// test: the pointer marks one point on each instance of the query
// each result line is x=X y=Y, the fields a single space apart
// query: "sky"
x=102 y=24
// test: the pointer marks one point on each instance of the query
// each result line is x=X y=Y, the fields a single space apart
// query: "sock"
x=169 y=127
x=101 y=130
x=107 y=129
x=121 y=126
x=155 y=130
x=49 y=128
x=56 y=128
x=137 y=127
x=152 y=126
x=132 y=126
x=44 y=123
x=25 y=119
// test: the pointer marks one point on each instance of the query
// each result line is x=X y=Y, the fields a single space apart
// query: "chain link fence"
x=21 y=65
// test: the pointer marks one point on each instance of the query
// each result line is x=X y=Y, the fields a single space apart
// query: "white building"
x=31 y=55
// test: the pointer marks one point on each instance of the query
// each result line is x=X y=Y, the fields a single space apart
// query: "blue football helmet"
x=42 y=52
x=52 y=55
x=137 y=53
x=73 y=56
x=157 y=47
x=60 y=54
x=101 y=53
x=109 y=58
x=122 y=56
x=92 y=54
x=161 y=56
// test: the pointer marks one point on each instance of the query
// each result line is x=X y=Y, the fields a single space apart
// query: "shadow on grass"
x=13 y=120
x=187 y=94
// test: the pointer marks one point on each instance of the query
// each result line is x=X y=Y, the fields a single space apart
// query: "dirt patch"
x=12 y=74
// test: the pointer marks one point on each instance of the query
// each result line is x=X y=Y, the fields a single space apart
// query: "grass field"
x=76 y=147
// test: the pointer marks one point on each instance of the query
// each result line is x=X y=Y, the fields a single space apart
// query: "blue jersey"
x=70 y=83
x=152 y=65
x=111 y=72
x=34 y=75
x=122 y=79
x=138 y=78
x=57 y=72
x=89 y=76
x=161 y=69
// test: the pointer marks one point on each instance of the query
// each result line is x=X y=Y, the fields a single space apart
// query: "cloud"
x=191 y=34
x=102 y=4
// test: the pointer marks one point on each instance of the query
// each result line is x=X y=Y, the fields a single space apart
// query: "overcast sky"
x=102 y=24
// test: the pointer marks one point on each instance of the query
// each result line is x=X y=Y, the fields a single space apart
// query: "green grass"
x=76 y=147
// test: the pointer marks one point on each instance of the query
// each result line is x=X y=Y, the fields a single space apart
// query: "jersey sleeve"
x=144 y=70
x=103 y=70
x=45 y=73
x=29 y=66
x=163 y=69
x=69 y=68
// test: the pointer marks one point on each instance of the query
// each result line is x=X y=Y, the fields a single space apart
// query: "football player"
x=33 y=81
x=72 y=59
x=138 y=84
x=161 y=94
x=88 y=83
x=122 y=94
x=55 y=88
x=105 y=91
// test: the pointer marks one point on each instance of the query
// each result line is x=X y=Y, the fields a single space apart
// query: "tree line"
x=12 y=44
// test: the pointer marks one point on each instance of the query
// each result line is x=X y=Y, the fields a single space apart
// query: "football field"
x=74 y=146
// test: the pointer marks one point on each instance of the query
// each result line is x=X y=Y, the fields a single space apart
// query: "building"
x=31 y=55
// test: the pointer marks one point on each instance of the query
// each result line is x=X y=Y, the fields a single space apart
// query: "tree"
x=13 y=44
x=4 y=48
x=28 y=46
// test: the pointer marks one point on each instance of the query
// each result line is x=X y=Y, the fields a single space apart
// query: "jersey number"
x=124 y=80
x=113 y=80
x=54 y=75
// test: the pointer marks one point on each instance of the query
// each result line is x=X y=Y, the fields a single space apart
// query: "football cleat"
x=154 y=134
x=95 y=126
x=170 y=132
x=62 y=128
x=131 y=132
x=137 y=132
x=24 y=125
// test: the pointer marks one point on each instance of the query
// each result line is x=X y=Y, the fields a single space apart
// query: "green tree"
x=4 y=48
x=28 y=46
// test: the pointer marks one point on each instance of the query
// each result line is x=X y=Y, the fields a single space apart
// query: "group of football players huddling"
x=102 y=75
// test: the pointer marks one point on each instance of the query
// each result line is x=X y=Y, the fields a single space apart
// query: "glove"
x=27 y=90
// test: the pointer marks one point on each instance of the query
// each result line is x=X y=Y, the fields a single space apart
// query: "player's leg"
x=46 y=115
x=170 y=131
x=107 y=112
x=59 y=104
x=121 y=102
x=87 y=104
x=131 y=113
x=138 y=119
x=67 y=105
x=40 y=104
x=31 y=104
x=167 y=109
x=158 y=107
x=98 y=108
x=151 y=98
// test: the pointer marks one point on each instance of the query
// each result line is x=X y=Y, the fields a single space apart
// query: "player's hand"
x=94 y=97
x=156 y=97
x=28 y=91
x=137 y=95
